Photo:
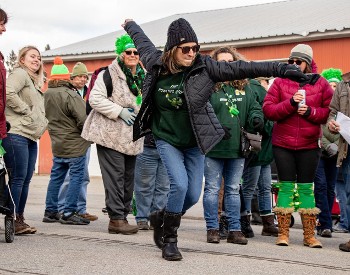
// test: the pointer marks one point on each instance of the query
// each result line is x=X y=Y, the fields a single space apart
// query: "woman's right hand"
x=126 y=21
x=298 y=97
x=333 y=126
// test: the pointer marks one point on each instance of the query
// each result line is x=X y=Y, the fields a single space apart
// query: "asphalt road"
x=68 y=249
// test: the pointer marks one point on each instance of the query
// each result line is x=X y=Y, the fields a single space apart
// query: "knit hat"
x=302 y=52
x=332 y=75
x=59 y=70
x=123 y=43
x=179 y=32
x=79 y=69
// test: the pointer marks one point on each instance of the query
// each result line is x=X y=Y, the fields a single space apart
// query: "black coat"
x=198 y=86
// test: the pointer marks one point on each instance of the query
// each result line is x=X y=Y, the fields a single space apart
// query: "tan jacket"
x=24 y=106
x=103 y=125
x=341 y=102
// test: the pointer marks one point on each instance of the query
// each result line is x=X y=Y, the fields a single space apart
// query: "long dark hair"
x=239 y=84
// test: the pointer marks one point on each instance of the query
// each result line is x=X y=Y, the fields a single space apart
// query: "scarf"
x=134 y=81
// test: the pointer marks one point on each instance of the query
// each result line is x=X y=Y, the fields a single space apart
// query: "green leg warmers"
x=285 y=194
x=306 y=195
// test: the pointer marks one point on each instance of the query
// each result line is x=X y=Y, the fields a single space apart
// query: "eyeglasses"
x=131 y=52
x=187 y=49
x=298 y=62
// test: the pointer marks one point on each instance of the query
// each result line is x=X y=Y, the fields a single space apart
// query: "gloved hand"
x=332 y=149
x=258 y=125
x=291 y=71
x=128 y=115
x=8 y=126
x=227 y=133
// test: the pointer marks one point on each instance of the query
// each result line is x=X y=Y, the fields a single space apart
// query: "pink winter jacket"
x=291 y=130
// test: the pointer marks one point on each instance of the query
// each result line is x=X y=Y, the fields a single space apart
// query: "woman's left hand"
x=126 y=21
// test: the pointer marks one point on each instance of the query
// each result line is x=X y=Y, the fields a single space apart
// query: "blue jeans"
x=151 y=183
x=341 y=197
x=325 y=178
x=60 y=168
x=20 y=158
x=258 y=176
x=83 y=191
x=231 y=170
x=185 y=169
x=346 y=176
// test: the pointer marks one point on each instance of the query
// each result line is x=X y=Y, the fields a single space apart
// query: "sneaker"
x=88 y=216
x=51 y=217
x=326 y=233
x=213 y=236
x=143 y=225
x=236 y=237
x=339 y=229
x=74 y=219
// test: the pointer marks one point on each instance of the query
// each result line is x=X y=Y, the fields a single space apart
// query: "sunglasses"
x=298 y=62
x=187 y=49
x=131 y=52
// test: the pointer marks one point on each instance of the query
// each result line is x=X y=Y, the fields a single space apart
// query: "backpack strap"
x=107 y=79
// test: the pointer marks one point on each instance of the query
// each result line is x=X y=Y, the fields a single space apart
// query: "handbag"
x=250 y=143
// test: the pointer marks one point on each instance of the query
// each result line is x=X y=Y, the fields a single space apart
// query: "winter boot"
x=121 y=227
x=22 y=220
x=256 y=219
x=172 y=221
x=21 y=228
x=308 y=218
x=284 y=216
x=223 y=227
x=156 y=221
x=345 y=246
x=269 y=227
x=245 y=226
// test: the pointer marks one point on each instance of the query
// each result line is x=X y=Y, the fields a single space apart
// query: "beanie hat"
x=332 y=75
x=79 y=69
x=302 y=52
x=179 y=32
x=59 y=70
x=123 y=43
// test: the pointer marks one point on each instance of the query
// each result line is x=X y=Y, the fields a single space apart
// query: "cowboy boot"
x=283 y=216
x=269 y=227
x=172 y=221
x=156 y=221
x=308 y=219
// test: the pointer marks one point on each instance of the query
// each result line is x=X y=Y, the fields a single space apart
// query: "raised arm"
x=148 y=52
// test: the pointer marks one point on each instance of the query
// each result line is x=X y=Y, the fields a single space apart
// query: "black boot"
x=256 y=219
x=170 y=252
x=245 y=226
x=156 y=221
x=223 y=227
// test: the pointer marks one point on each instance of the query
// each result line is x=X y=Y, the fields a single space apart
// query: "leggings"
x=296 y=165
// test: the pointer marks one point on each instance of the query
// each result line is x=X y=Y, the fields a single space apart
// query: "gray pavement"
x=67 y=249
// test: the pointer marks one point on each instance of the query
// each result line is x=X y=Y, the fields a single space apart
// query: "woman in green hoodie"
x=234 y=105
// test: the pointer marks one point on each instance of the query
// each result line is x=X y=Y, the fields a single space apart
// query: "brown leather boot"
x=308 y=218
x=122 y=227
x=22 y=220
x=21 y=228
x=283 y=216
x=269 y=227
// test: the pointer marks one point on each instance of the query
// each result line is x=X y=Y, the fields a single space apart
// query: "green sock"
x=306 y=195
x=285 y=194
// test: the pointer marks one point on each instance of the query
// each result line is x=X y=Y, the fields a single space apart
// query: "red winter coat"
x=2 y=98
x=291 y=130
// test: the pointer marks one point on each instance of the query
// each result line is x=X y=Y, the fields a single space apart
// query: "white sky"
x=62 y=22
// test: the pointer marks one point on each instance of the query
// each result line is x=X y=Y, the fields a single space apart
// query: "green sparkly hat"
x=59 y=70
x=332 y=75
x=123 y=43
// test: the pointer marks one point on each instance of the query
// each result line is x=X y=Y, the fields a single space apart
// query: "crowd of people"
x=164 y=120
